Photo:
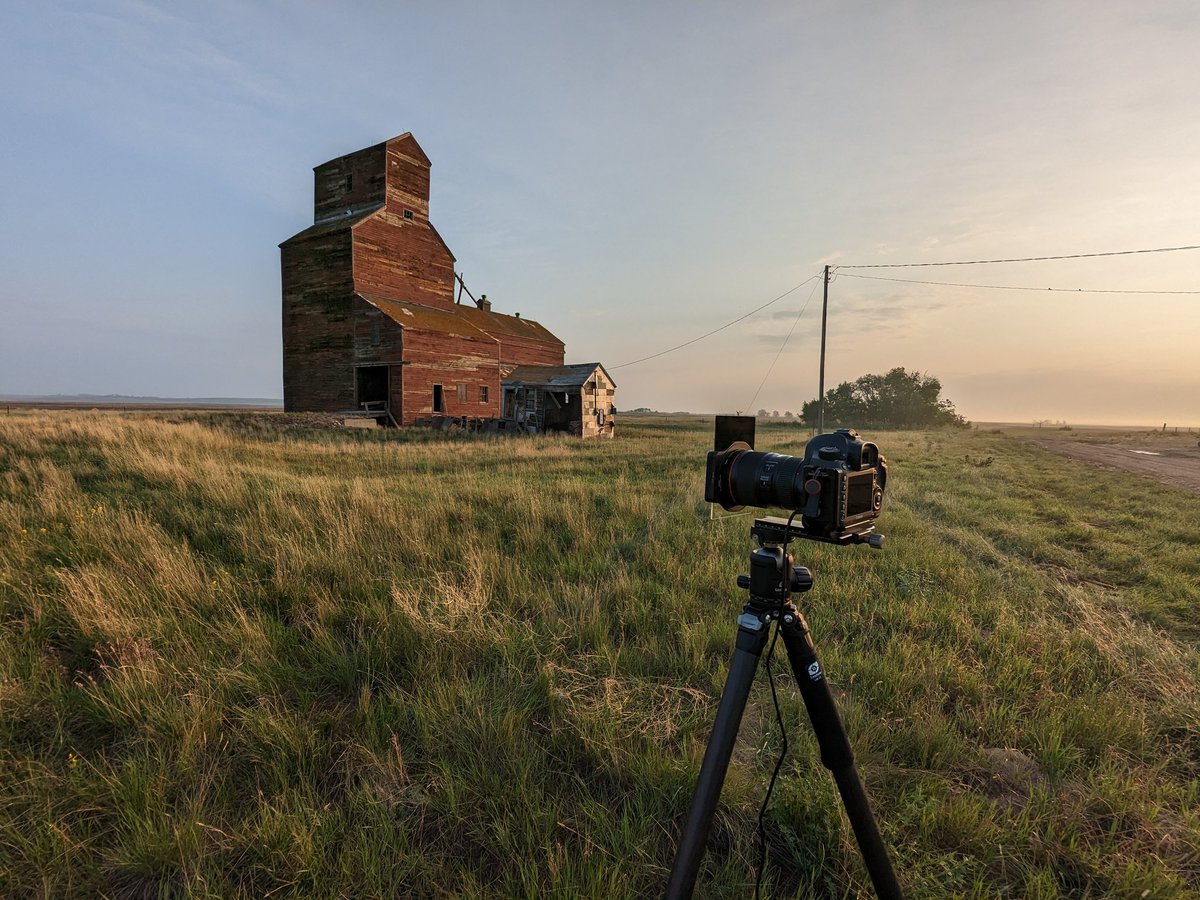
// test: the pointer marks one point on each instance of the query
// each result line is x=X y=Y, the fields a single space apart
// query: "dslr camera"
x=836 y=488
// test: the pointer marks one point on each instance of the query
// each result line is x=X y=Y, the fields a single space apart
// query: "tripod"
x=772 y=579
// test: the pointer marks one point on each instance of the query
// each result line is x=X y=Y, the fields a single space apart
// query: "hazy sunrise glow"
x=631 y=177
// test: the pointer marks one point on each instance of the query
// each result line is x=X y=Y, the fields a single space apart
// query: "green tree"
x=899 y=399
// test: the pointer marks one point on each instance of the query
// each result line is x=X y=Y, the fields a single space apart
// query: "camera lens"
x=767 y=479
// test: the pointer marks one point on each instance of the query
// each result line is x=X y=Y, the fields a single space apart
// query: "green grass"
x=241 y=659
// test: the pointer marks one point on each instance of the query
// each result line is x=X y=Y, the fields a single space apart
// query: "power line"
x=795 y=322
x=980 y=262
x=971 y=262
x=1007 y=287
x=715 y=330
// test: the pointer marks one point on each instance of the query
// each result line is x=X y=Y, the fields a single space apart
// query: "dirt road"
x=1169 y=462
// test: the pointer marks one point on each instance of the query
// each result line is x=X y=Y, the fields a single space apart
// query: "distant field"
x=110 y=401
x=242 y=657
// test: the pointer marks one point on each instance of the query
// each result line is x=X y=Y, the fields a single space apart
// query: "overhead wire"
x=779 y=353
x=980 y=262
x=837 y=270
x=722 y=328
x=1009 y=287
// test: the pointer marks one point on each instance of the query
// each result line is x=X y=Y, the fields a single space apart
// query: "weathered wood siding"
x=407 y=178
x=433 y=358
x=379 y=341
x=519 y=351
x=397 y=252
x=402 y=260
x=328 y=331
x=318 y=323
x=349 y=183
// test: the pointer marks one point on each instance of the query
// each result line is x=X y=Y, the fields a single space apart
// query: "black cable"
x=771 y=367
x=715 y=330
x=762 y=810
x=1006 y=287
x=980 y=262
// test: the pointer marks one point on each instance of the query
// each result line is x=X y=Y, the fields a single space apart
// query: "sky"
x=631 y=175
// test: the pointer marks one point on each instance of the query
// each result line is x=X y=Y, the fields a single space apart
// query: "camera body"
x=850 y=476
x=836 y=488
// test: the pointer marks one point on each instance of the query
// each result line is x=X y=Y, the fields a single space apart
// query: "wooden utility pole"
x=821 y=387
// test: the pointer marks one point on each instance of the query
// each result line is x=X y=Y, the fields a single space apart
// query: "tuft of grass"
x=240 y=656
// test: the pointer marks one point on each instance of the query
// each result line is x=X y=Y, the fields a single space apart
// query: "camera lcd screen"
x=860 y=492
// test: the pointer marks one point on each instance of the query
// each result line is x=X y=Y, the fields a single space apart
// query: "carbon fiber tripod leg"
x=836 y=754
x=753 y=629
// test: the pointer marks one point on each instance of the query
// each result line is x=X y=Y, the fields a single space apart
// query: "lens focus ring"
x=767 y=479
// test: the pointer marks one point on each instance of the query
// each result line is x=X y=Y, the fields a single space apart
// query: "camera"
x=836 y=488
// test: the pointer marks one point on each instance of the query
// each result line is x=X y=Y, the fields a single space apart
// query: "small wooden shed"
x=578 y=399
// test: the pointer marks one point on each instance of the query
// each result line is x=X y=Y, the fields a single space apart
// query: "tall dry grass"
x=240 y=658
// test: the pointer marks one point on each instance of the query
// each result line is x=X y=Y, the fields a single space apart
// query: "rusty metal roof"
x=465 y=321
x=333 y=225
x=500 y=325
x=556 y=376
x=427 y=318
x=353 y=153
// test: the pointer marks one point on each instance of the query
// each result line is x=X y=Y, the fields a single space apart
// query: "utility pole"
x=821 y=388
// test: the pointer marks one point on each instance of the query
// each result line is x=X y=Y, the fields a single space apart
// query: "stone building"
x=576 y=399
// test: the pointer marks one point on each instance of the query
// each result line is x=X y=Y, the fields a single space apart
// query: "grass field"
x=243 y=659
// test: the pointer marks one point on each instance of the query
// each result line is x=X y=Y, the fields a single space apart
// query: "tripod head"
x=773 y=574
x=773 y=578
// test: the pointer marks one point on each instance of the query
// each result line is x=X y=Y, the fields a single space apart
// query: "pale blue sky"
x=630 y=175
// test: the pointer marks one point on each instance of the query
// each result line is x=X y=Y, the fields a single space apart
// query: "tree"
x=899 y=399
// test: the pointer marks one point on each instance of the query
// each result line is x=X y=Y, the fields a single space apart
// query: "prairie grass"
x=242 y=659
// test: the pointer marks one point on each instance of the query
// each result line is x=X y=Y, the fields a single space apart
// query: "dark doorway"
x=371 y=387
x=439 y=405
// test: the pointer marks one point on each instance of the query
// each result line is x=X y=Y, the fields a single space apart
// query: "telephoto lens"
x=766 y=479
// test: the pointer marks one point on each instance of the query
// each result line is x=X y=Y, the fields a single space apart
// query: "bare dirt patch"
x=1011 y=776
x=1170 y=462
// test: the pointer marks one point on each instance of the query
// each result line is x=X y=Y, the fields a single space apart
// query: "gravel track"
x=1173 y=465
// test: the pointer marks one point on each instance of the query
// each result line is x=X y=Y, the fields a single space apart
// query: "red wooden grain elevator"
x=369 y=313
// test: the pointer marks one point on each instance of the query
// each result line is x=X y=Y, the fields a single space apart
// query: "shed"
x=578 y=399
